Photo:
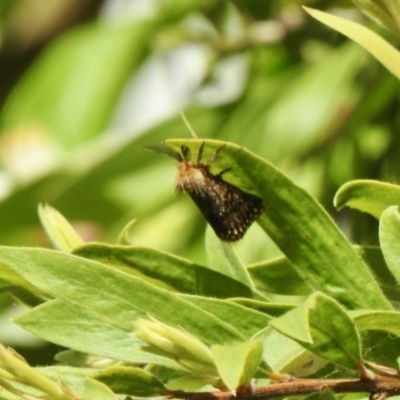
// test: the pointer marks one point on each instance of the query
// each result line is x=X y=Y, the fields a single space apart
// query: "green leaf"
x=378 y=47
x=247 y=321
x=379 y=11
x=246 y=356
x=20 y=287
x=278 y=276
x=389 y=237
x=323 y=327
x=169 y=270
x=311 y=241
x=131 y=381
x=222 y=258
x=60 y=232
x=269 y=308
x=288 y=357
x=74 y=327
x=373 y=256
x=95 y=390
x=372 y=197
x=78 y=380
x=114 y=296
x=124 y=237
x=388 y=321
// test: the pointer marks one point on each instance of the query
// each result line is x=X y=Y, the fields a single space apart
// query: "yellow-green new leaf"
x=378 y=47
x=237 y=363
x=60 y=232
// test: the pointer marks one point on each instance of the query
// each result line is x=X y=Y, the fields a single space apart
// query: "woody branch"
x=379 y=387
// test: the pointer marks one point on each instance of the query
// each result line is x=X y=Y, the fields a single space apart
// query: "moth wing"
x=228 y=209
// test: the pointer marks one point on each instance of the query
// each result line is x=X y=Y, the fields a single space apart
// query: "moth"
x=229 y=210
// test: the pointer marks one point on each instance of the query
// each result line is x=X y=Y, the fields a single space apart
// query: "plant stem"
x=386 y=386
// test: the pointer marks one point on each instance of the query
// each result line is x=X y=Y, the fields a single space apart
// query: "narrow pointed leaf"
x=379 y=12
x=311 y=241
x=169 y=270
x=377 y=46
x=124 y=237
x=60 y=232
x=114 y=296
x=389 y=237
x=372 y=197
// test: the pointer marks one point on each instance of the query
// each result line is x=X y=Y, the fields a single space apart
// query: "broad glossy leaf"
x=378 y=47
x=131 y=381
x=114 y=296
x=322 y=326
x=372 y=197
x=311 y=241
x=246 y=356
x=389 y=237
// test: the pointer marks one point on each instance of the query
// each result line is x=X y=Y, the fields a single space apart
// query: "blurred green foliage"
x=87 y=87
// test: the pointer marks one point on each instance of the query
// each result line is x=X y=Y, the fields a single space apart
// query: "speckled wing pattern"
x=229 y=210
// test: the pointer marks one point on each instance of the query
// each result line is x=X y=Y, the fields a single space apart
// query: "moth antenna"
x=215 y=155
x=200 y=154
x=185 y=153
x=188 y=126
